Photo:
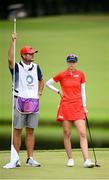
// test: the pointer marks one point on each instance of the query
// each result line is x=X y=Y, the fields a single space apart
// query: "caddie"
x=28 y=88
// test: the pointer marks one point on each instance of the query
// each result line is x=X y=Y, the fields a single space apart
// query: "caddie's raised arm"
x=11 y=52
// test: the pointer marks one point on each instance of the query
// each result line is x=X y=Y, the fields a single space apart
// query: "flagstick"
x=14 y=155
x=13 y=82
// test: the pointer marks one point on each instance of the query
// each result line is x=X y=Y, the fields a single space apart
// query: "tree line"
x=54 y=7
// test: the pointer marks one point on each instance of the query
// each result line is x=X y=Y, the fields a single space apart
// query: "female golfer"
x=72 y=109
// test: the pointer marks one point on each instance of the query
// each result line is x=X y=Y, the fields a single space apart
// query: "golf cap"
x=72 y=57
x=27 y=50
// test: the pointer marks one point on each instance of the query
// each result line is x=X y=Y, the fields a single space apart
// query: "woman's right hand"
x=61 y=95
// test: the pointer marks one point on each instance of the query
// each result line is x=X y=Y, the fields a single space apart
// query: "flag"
x=13 y=159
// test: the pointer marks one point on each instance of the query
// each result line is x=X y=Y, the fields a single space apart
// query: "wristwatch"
x=40 y=93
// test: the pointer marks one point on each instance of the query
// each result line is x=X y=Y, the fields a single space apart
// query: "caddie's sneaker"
x=31 y=162
x=70 y=163
x=88 y=164
x=18 y=163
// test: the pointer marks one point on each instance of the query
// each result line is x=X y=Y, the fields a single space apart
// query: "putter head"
x=97 y=165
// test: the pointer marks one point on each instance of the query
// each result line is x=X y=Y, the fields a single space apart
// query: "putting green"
x=54 y=166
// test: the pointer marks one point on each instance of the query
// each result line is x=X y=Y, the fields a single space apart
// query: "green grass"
x=55 y=37
x=54 y=166
x=50 y=137
x=57 y=132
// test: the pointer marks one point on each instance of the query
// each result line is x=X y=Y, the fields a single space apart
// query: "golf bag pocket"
x=27 y=105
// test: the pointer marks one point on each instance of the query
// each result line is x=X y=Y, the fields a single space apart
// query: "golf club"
x=91 y=141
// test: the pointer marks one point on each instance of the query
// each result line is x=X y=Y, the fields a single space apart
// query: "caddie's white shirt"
x=27 y=82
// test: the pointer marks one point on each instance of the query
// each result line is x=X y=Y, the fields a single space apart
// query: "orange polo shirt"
x=71 y=105
x=70 y=84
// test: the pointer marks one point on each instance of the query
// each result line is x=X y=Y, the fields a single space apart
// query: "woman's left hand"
x=85 y=110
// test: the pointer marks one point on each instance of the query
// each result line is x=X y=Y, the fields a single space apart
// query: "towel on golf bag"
x=27 y=105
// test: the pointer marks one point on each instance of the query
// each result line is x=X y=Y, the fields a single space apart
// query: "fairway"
x=54 y=166
x=55 y=37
